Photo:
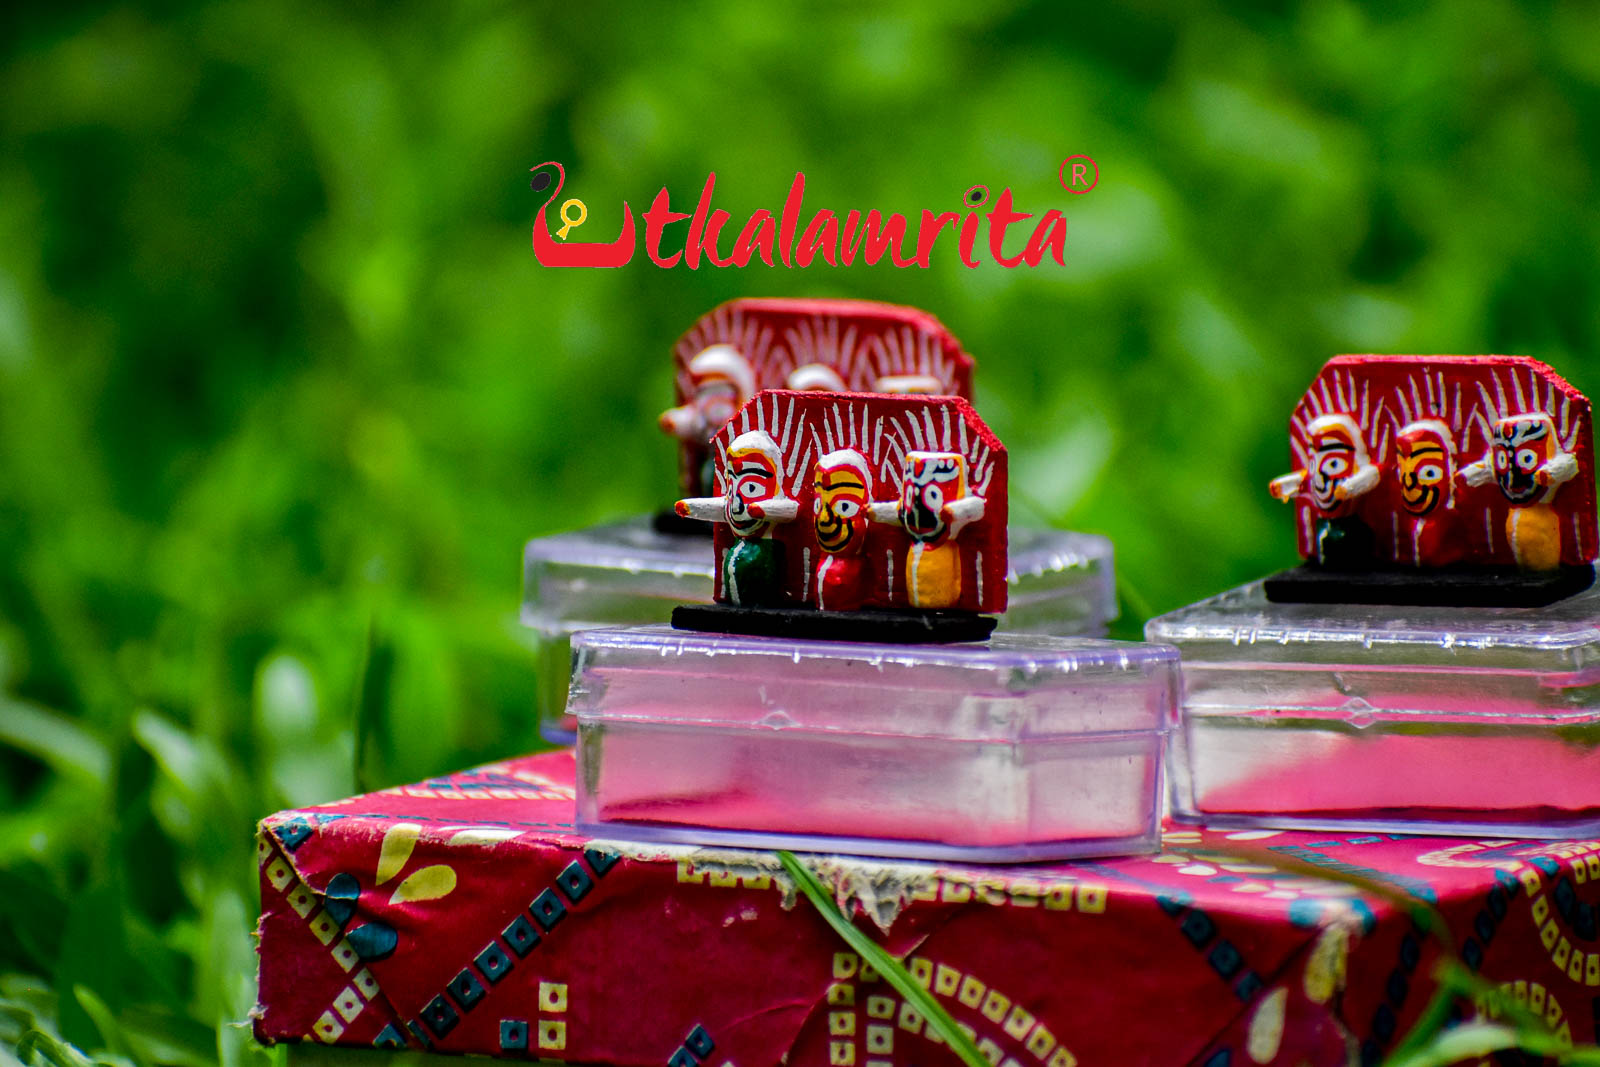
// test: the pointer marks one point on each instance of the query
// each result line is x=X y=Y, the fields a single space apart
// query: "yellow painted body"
x=1535 y=536
x=933 y=576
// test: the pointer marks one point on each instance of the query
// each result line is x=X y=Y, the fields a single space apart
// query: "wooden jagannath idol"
x=1460 y=480
x=855 y=516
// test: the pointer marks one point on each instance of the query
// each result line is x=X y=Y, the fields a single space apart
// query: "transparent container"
x=628 y=574
x=1398 y=719
x=1022 y=747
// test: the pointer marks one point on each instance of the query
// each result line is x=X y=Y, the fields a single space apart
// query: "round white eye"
x=1499 y=460
x=1527 y=459
x=935 y=497
x=816 y=505
x=1430 y=472
x=845 y=508
x=1333 y=465
x=750 y=490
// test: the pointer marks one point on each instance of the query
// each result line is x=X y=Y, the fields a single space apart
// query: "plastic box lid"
x=1012 y=687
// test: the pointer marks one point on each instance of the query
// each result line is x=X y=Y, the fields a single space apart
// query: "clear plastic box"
x=1394 y=719
x=627 y=574
x=1022 y=747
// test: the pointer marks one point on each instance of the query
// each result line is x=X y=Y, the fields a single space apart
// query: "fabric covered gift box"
x=465 y=915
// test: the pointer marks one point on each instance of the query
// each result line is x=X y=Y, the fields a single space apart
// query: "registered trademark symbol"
x=1079 y=174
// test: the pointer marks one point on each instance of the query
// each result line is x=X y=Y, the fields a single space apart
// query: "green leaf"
x=66 y=745
x=104 y=1021
x=893 y=970
x=1472 y=1041
x=374 y=747
x=38 y=1046
x=179 y=753
x=168 y=1039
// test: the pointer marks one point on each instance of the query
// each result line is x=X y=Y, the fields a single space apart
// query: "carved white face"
x=1337 y=452
x=716 y=400
x=753 y=466
x=932 y=480
x=720 y=381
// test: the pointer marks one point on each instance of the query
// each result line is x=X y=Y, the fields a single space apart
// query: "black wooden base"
x=670 y=522
x=889 y=627
x=1456 y=587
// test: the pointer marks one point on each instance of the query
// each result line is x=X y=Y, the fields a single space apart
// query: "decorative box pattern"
x=465 y=915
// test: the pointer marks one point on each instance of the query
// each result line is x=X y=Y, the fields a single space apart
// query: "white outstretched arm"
x=884 y=511
x=958 y=513
x=1479 y=473
x=708 y=508
x=1288 y=486
x=1364 y=480
x=682 y=421
x=781 y=509
x=1562 y=467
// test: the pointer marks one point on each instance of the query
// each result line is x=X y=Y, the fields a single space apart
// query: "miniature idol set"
x=1431 y=665
x=805 y=544
x=833 y=640
x=834 y=686
x=639 y=570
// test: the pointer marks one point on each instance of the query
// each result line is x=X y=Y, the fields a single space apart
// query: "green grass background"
x=283 y=390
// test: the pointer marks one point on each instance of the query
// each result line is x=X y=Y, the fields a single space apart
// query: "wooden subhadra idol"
x=842 y=495
x=1464 y=480
x=1429 y=668
x=907 y=501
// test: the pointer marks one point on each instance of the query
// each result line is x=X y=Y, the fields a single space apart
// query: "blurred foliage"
x=282 y=389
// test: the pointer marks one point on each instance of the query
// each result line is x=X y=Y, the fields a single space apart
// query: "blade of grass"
x=1475 y=1041
x=1527 y=1031
x=67 y=745
x=111 y=1037
x=893 y=970
x=1431 y=1033
x=373 y=750
x=1134 y=603
x=37 y=1045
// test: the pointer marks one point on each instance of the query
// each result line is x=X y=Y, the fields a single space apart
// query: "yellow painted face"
x=1422 y=464
x=841 y=507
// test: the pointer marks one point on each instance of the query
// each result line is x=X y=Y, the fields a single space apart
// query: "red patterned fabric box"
x=464 y=915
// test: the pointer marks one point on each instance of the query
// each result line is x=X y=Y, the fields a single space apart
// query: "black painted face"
x=1521 y=446
x=932 y=480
